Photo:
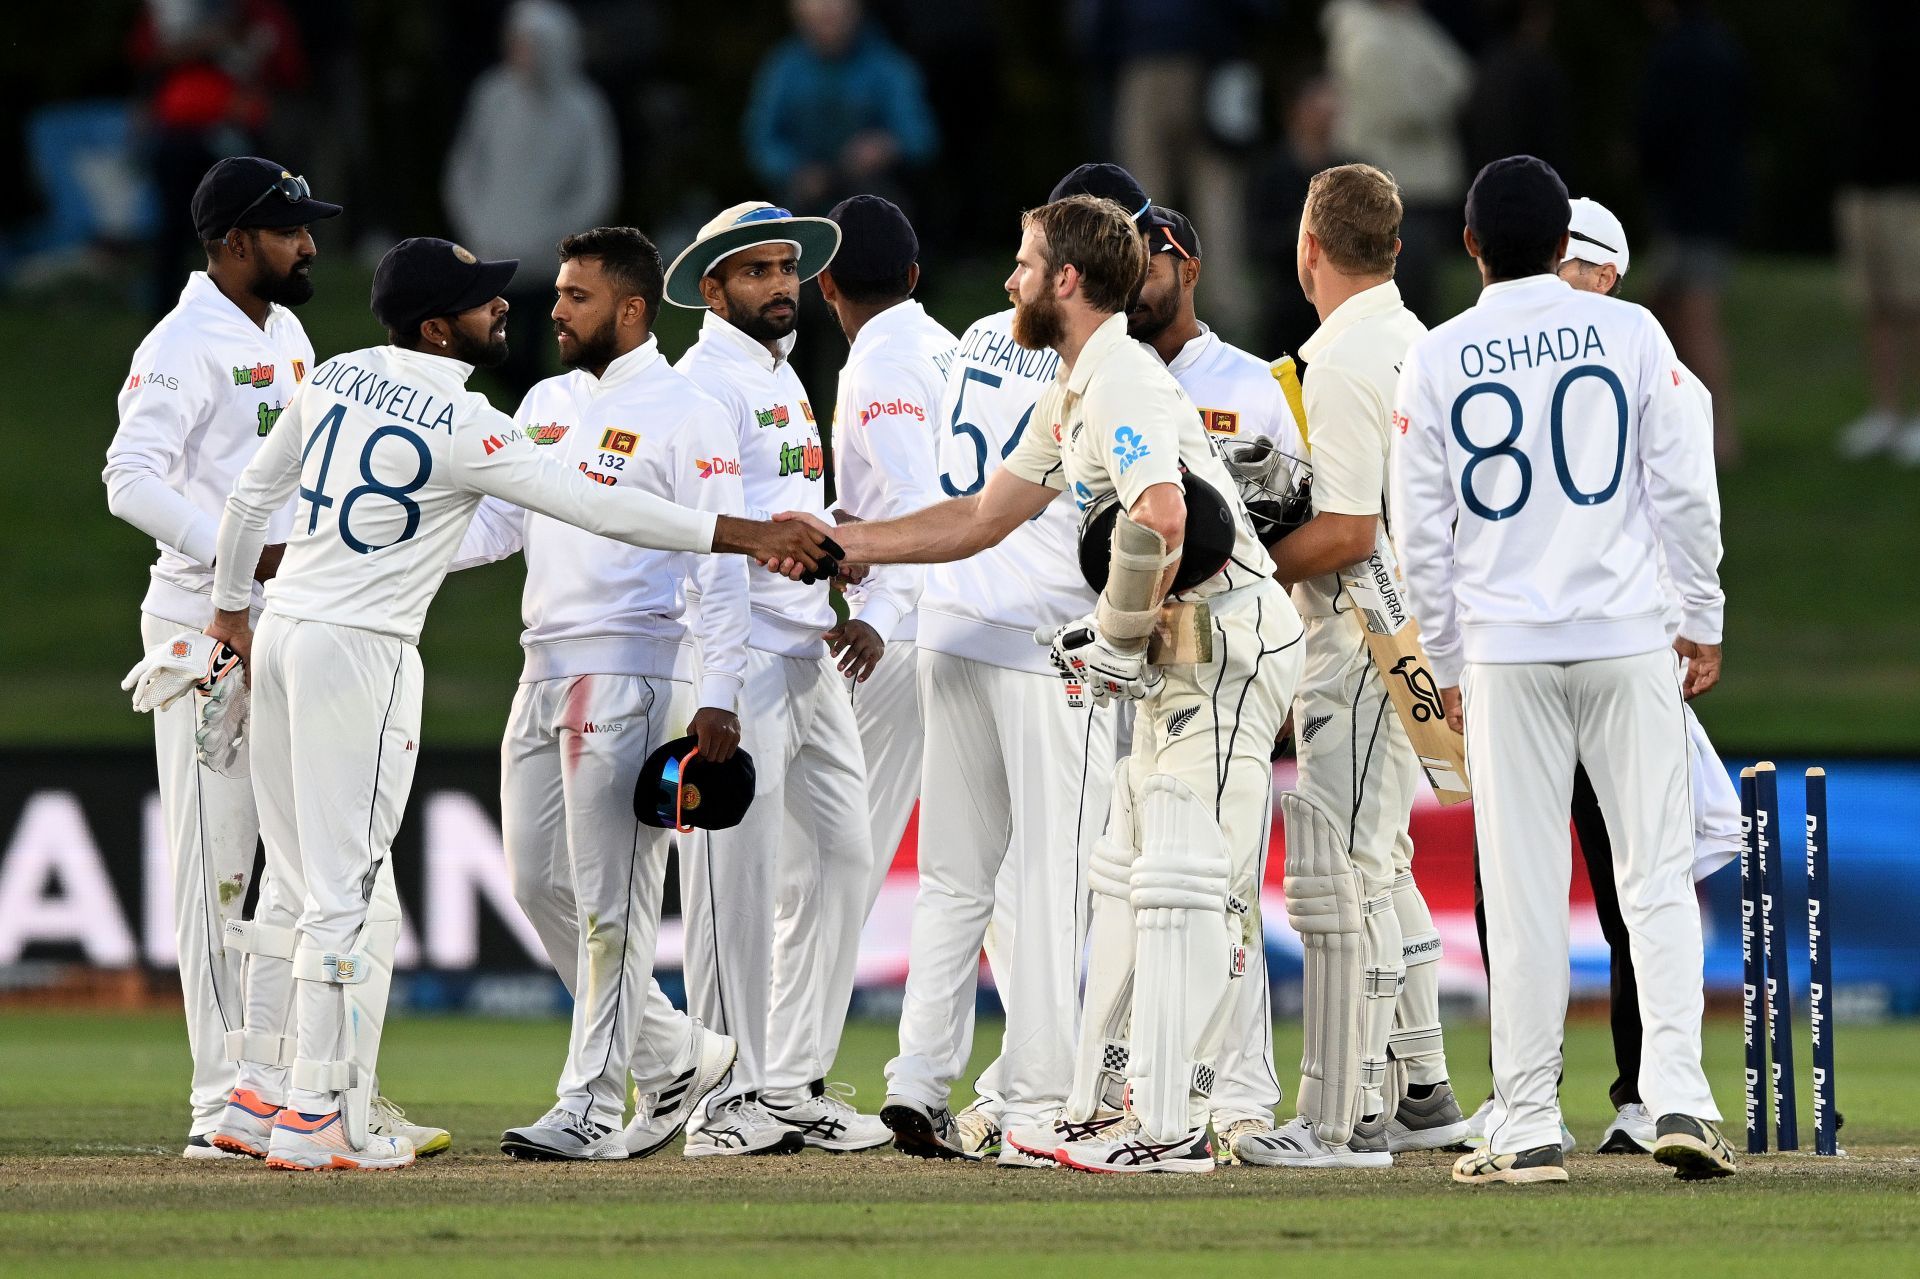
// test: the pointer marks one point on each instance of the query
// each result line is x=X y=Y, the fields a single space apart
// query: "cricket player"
x=1371 y=998
x=1549 y=455
x=1212 y=669
x=389 y=454
x=1017 y=772
x=206 y=388
x=611 y=674
x=883 y=465
x=1596 y=261
x=774 y=905
x=1239 y=399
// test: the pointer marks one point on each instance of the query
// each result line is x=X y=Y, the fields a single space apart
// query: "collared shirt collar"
x=202 y=291
x=1500 y=288
x=1101 y=343
x=740 y=346
x=1194 y=351
x=436 y=366
x=895 y=319
x=628 y=367
x=1378 y=300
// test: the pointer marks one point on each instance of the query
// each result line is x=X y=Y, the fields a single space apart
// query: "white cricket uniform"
x=390 y=454
x=1201 y=766
x=610 y=675
x=1240 y=401
x=1356 y=761
x=1015 y=780
x=884 y=466
x=205 y=389
x=774 y=906
x=1555 y=427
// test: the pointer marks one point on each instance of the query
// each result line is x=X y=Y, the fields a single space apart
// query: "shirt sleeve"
x=163 y=400
x=722 y=620
x=498 y=530
x=1676 y=456
x=1139 y=421
x=1424 y=513
x=491 y=455
x=898 y=449
x=260 y=493
x=1346 y=422
x=1036 y=458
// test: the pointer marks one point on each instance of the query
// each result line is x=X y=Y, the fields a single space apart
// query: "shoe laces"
x=385 y=1114
x=837 y=1096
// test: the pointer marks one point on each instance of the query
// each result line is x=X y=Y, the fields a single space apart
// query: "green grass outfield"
x=1822 y=625
x=91 y=1114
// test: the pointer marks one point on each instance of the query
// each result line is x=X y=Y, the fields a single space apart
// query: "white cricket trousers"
x=590 y=876
x=1014 y=790
x=335 y=736
x=212 y=835
x=773 y=906
x=886 y=710
x=1528 y=724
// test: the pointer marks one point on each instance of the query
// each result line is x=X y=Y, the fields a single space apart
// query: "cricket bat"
x=1393 y=637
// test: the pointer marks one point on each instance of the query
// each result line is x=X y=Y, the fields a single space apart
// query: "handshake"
x=794 y=544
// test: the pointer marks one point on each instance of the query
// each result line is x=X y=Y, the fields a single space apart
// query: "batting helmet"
x=1208 y=545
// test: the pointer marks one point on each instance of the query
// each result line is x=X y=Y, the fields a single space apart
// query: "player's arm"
x=1349 y=457
x=722 y=622
x=946 y=531
x=498 y=530
x=1676 y=447
x=516 y=471
x=1423 y=530
x=899 y=448
x=261 y=492
x=164 y=397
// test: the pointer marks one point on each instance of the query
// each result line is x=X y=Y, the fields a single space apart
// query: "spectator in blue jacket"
x=836 y=110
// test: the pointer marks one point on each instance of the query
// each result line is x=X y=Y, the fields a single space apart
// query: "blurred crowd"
x=534 y=117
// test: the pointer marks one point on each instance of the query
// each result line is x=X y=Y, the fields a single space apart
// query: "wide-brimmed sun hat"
x=747 y=226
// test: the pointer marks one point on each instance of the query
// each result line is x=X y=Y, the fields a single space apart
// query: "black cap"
x=877 y=243
x=246 y=191
x=1518 y=201
x=424 y=277
x=1109 y=181
x=1168 y=231
x=679 y=790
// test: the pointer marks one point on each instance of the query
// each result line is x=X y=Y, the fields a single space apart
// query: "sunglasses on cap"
x=289 y=188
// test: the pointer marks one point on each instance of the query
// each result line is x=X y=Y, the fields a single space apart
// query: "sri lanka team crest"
x=1220 y=421
x=624 y=442
x=776 y=417
x=547 y=432
x=808 y=459
x=254 y=375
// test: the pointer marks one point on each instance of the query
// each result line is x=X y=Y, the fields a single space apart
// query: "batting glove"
x=1079 y=652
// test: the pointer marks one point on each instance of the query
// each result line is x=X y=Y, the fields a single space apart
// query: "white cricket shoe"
x=246 y=1125
x=391 y=1121
x=979 y=1131
x=1630 y=1133
x=827 y=1121
x=1125 y=1147
x=1295 y=1145
x=741 y=1126
x=1876 y=431
x=1043 y=1140
x=1227 y=1136
x=309 y=1143
x=666 y=1113
x=200 y=1147
x=1476 y=1135
x=920 y=1130
x=1012 y=1156
x=564 y=1134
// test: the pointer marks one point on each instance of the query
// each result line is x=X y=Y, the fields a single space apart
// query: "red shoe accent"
x=295 y=1121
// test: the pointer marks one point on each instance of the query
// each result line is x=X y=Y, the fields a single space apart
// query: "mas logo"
x=624 y=442
x=808 y=460
x=708 y=467
x=547 y=432
x=777 y=416
x=258 y=375
x=1220 y=421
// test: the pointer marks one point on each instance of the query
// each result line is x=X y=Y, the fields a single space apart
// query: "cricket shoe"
x=1294 y=1144
x=1227 y=1136
x=1523 y=1167
x=200 y=1147
x=1125 y=1147
x=825 y=1120
x=979 y=1131
x=564 y=1134
x=925 y=1132
x=1044 y=1140
x=742 y=1126
x=1692 y=1147
x=668 y=1111
x=309 y=1143
x=389 y=1120
x=1630 y=1133
x=1012 y=1156
x=246 y=1125
x=1476 y=1134
x=1432 y=1122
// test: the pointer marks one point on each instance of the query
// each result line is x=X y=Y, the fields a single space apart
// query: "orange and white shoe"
x=309 y=1143
x=246 y=1126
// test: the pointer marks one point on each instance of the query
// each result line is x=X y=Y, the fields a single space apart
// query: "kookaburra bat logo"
x=1426 y=697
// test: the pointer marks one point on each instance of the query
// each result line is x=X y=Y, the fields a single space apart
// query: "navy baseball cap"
x=1109 y=181
x=1518 y=201
x=1169 y=231
x=877 y=242
x=425 y=277
x=247 y=191
x=677 y=790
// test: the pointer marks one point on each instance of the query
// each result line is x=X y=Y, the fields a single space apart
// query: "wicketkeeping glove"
x=1079 y=652
x=220 y=739
x=173 y=667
